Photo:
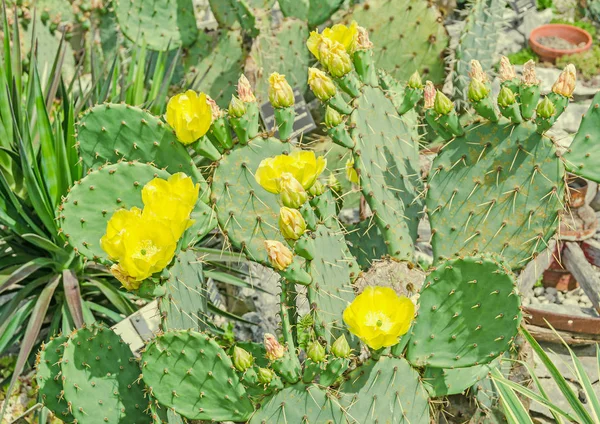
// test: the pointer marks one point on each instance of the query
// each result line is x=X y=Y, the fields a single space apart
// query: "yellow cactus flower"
x=321 y=84
x=119 y=222
x=345 y=35
x=351 y=174
x=378 y=316
x=280 y=91
x=291 y=223
x=279 y=256
x=304 y=166
x=334 y=57
x=190 y=115
x=171 y=201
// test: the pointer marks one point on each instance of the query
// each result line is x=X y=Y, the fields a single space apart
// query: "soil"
x=558 y=43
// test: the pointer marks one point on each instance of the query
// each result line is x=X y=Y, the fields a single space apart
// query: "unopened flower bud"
x=362 y=39
x=334 y=57
x=315 y=352
x=529 y=77
x=565 y=84
x=280 y=92
x=280 y=257
x=242 y=359
x=332 y=117
x=321 y=84
x=443 y=105
x=415 y=81
x=546 y=109
x=291 y=191
x=317 y=188
x=265 y=375
x=429 y=95
x=244 y=90
x=507 y=71
x=477 y=73
x=477 y=90
x=333 y=183
x=237 y=108
x=291 y=223
x=274 y=349
x=506 y=97
x=340 y=348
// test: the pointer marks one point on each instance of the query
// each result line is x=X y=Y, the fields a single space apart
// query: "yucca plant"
x=518 y=414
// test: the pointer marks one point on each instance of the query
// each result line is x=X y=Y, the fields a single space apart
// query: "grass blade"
x=513 y=408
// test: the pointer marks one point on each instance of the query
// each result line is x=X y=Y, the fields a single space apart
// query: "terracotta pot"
x=559 y=279
x=570 y=33
x=577 y=188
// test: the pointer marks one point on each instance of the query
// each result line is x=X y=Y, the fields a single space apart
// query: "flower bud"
x=291 y=223
x=333 y=183
x=529 y=77
x=415 y=81
x=477 y=73
x=265 y=375
x=340 y=348
x=280 y=257
x=334 y=57
x=315 y=352
x=443 y=105
x=274 y=349
x=362 y=39
x=507 y=71
x=317 y=188
x=351 y=174
x=506 y=97
x=565 y=84
x=429 y=95
x=242 y=359
x=244 y=90
x=280 y=92
x=128 y=282
x=332 y=117
x=237 y=108
x=321 y=84
x=477 y=90
x=215 y=109
x=546 y=109
x=291 y=191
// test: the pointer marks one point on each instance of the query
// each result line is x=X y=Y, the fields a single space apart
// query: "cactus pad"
x=497 y=189
x=386 y=391
x=49 y=378
x=582 y=157
x=445 y=382
x=101 y=378
x=469 y=313
x=365 y=243
x=284 y=51
x=315 y=12
x=408 y=35
x=247 y=213
x=185 y=304
x=306 y=404
x=159 y=24
x=191 y=373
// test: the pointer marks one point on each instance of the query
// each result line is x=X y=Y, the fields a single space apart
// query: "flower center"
x=378 y=320
x=146 y=249
x=379 y=323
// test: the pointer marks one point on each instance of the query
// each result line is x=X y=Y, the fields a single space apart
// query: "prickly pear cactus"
x=159 y=25
x=315 y=12
x=409 y=36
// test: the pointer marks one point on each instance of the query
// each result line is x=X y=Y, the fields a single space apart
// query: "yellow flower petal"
x=190 y=115
x=303 y=165
x=119 y=222
x=345 y=35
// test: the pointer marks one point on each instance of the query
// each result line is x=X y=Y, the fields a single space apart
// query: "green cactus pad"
x=109 y=133
x=306 y=404
x=387 y=160
x=497 y=189
x=315 y=12
x=365 y=243
x=385 y=391
x=582 y=157
x=333 y=269
x=102 y=378
x=247 y=213
x=49 y=378
x=191 y=373
x=159 y=24
x=445 y=382
x=408 y=35
x=228 y=12
x=91 y=202
x=185 y=304
x=217 y=73
x=469 y=313
x=284 y=51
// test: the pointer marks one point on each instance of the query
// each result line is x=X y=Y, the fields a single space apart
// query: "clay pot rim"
x=559 y=52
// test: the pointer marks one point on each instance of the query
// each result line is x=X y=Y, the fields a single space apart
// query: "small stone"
x=544 y=301
x=560 y=296
x=550 y=298
x=526 y=301
x=551 y=290
x=538 y=291
x=534 y=300
x=571 y=302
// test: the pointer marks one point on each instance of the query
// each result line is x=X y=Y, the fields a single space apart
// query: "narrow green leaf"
x=514 y=410
x=116 y=297
x=73 y=296
x=7 y=335
x=109 y=313
x=232 y=280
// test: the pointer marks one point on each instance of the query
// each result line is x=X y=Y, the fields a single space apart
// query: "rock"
x=538 y=291
x=550 y=298
x=534 y=300
x=571 y=302
x=255 y=333
x=544 y=301
x=511 y=42
x=534 y=19
x=595 y=203
x=404 y=278
x=585 y=92
x=571 y=118
x=526 y=301
x=551 y=290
